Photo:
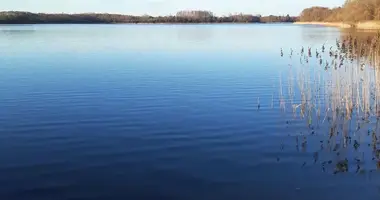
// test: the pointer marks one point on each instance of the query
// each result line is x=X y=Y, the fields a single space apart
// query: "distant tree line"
x=14 y=17
x=350 y=11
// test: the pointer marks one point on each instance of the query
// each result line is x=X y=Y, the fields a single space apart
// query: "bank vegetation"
x=15 y=17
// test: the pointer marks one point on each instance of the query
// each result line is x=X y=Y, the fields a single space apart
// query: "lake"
x=157 y=112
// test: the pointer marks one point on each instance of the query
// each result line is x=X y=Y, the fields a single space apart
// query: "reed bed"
x=335 y=90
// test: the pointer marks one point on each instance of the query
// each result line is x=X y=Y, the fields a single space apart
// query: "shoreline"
x=365 y=25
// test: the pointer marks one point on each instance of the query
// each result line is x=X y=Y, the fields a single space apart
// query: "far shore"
x=182 y=17
x=366 y=25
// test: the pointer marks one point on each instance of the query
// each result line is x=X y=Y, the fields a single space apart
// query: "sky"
x=166 y=7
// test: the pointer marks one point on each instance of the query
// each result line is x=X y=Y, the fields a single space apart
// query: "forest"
x=351 y=11
x=14 y=17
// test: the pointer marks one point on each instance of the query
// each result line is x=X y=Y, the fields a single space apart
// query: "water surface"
x=156 y=112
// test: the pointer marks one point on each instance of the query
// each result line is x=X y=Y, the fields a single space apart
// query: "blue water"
x=155 y=112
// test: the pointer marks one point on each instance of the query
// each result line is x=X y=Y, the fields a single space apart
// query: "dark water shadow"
x=17 y=29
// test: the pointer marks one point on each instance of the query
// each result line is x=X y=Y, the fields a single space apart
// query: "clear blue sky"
x=165 y=7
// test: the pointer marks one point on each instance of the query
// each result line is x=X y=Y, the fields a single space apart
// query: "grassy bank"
x=369 y=25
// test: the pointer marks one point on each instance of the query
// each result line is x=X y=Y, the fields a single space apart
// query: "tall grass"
x=337 y=94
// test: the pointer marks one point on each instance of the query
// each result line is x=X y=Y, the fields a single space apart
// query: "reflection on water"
x=315 y=34
x=117 y=38
x=13 y=32
x=194 y=33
